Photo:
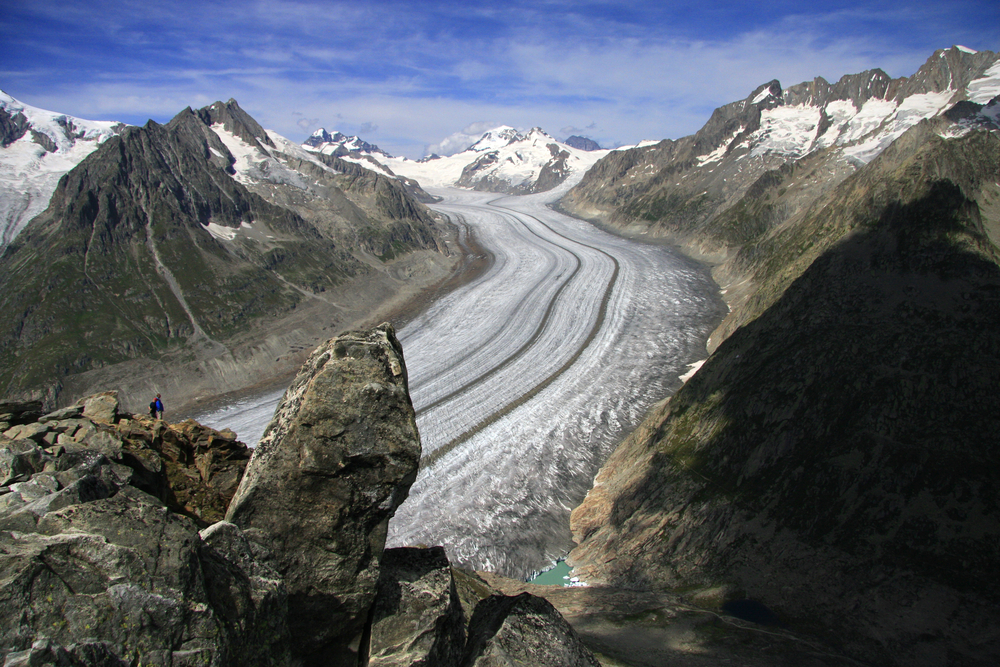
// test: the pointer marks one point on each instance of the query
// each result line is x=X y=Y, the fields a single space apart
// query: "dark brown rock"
x=334 y=463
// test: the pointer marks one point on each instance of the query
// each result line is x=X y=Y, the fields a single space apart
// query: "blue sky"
x=410 y=75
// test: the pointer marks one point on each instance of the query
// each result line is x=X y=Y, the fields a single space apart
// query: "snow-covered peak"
x=36 y=148
x=339 y=144
x=503 y=160
x=496 y=138
x=61 y=129
x=537 y=134
x=860 y=115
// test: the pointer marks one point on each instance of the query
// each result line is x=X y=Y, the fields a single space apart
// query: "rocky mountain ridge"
x=185 y=239
x=679 y=189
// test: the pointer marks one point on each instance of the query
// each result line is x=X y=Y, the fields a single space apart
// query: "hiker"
x=156 y=408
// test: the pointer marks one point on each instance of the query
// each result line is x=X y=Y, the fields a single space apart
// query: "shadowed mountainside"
x=834 y=457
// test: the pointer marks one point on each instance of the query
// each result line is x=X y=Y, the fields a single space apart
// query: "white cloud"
x=459 y=141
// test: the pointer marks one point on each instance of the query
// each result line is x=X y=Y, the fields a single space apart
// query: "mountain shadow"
x=837 y=457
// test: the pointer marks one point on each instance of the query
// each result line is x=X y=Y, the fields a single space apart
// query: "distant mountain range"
x=503 y=160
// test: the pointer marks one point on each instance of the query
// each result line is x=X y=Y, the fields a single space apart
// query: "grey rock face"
x=133 y=575
x=523 y=630
x=334 y=463
x=101 y=407
x=12 y=127
x=417 y=618
x=94 y=571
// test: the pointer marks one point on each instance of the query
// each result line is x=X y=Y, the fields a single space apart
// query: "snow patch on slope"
x=720 y=151
x=911 y=111
x=786 y=130
x=985 y=89
x=258 y=164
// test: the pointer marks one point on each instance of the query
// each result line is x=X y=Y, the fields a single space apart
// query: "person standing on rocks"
x=156 y=408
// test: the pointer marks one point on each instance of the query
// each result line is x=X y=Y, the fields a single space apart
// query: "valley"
x=805 y=428
x=524 y=379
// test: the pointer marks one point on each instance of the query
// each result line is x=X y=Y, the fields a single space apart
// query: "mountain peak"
x=496 y=138
x=339 y=144
x=236 y=121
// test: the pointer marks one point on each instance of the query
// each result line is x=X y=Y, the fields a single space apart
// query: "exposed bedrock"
x=334 y=463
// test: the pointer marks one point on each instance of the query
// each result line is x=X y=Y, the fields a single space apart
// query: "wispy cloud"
x=408 y=74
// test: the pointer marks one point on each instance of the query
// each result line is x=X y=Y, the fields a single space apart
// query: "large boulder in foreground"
x=335 y=462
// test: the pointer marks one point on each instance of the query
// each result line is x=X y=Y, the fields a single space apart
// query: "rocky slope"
x=831 y=462
x=95 y=568
x=36 y=148
x=201 y=238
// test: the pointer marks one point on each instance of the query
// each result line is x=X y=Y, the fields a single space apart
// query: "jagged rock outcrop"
x=95 y=567
x=428 y=613
x=330 y=470
x=100 y=566
x=417 y=618
x=191 y=468
x=830 y=459
x=522 y=629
